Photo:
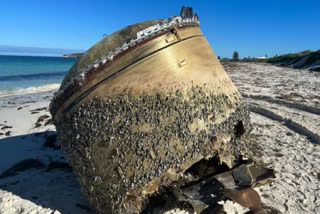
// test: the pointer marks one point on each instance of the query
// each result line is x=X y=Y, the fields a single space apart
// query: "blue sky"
x=253 y=28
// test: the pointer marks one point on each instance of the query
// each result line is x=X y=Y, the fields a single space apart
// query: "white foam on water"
x=29 y=90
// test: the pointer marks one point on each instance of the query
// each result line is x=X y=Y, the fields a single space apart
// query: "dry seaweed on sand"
x=40 y=120
x=6 y=127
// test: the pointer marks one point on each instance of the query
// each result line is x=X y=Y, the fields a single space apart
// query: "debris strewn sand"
x=286 y=123
x=286 y=112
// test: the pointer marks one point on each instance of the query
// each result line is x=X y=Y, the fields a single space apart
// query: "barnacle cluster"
x=126 y=148
x=134 y=120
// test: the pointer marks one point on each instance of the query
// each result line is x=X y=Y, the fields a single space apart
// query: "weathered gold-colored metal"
x=166 y=62
x=171 y=77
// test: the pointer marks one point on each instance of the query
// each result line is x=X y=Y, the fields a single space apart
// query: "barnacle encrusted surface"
x=125 y=148
x=143 y=107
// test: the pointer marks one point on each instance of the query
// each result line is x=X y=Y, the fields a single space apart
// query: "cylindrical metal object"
x=135 y=120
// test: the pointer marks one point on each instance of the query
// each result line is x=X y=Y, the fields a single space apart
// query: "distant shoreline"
x=74 y=55
x=31 y=55
x=35 y=51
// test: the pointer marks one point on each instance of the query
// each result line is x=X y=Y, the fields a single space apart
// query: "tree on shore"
x=235 y=56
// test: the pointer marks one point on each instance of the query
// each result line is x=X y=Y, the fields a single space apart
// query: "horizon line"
x=31 y=54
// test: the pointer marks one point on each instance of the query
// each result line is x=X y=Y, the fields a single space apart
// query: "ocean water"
x=23 y=74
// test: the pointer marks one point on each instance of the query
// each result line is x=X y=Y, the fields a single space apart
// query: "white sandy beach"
x=286 y=118
x=47 y=188
x=285 y=106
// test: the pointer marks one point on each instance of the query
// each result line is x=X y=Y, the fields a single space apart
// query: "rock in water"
x=141 y=107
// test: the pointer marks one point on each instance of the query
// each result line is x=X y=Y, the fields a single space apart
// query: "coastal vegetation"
x=235 y=56
x=302 y=60
x=305 y=59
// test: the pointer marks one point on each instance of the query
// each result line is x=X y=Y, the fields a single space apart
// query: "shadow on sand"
x=33 y=168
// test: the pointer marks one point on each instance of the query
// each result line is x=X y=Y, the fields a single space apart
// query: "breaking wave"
x=28 y=90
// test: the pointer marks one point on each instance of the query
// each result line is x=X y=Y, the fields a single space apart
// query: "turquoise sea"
x=22 y=74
